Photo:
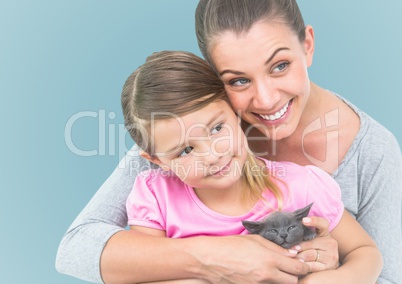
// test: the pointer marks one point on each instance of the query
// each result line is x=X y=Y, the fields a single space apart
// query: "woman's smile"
x=278 y=115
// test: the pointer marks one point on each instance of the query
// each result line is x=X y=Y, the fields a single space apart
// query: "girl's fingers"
x=320 y=224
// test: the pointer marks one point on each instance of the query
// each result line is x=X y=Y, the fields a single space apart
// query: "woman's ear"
x=154 y=160
x=309 y=45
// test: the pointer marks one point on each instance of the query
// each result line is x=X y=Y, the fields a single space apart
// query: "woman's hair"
x=214 y=17
x=175 y=83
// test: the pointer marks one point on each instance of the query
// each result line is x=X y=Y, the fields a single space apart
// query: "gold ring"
x=317 y=258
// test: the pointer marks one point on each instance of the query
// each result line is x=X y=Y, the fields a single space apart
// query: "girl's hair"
x=169 y=83
x=175 y=83
x=214 y=17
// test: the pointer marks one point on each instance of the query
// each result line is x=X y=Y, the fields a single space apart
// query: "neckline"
x=218 y=215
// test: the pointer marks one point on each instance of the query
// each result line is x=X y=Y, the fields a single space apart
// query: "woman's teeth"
x=277 y=115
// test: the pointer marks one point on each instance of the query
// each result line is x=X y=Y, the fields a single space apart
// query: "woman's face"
x=265 y=75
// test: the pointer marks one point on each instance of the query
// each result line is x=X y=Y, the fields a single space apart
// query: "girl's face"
x=205 y=149
x=265 y=75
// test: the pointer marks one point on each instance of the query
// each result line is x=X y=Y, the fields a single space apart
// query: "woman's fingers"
x=320 y=253
x=261 y=262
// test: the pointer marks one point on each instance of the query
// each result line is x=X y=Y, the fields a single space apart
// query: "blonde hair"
x=178 y=82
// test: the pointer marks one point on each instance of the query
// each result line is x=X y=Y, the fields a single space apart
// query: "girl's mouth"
x=278 y=115
x=222 y=170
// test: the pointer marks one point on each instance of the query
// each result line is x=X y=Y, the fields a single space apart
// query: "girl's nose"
x=210 y=155
x=211 y=159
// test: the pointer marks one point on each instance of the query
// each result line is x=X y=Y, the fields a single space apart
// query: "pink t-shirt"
x=160 y=200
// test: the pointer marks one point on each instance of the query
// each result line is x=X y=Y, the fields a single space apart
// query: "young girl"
x=176 y=111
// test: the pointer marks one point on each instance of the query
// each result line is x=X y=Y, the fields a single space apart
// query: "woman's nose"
x=265 y=95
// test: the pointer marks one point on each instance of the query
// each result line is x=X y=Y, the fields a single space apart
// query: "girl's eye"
x=186 y=151
x=239 y=82
x=216 y=129
x=281 y=67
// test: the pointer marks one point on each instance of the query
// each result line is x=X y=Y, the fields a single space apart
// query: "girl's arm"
x=360 y=259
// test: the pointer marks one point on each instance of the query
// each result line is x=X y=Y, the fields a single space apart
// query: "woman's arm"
x=132 y=257
x=360 y=259
x=380 y=196
x=81 y=247
x=371 y=182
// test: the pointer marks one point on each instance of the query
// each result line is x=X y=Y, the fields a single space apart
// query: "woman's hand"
x=247 y=259
x=321 y=253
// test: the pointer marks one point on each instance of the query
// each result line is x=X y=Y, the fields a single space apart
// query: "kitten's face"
x=283 y=228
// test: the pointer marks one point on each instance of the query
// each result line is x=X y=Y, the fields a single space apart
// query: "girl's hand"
x=321 y=253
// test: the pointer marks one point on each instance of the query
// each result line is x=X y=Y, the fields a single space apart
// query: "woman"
x=261 y=50
x=263 y=66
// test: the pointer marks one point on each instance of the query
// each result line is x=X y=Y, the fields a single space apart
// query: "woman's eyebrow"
x=230 y=71
x=266 y=63
x=275 y=53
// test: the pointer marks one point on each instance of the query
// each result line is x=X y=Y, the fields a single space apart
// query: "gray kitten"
x=283 y=228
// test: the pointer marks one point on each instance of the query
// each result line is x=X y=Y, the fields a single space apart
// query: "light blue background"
x=60 y=58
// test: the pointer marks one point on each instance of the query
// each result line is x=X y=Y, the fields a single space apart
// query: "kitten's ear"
x=252 y=227
x=303 y=212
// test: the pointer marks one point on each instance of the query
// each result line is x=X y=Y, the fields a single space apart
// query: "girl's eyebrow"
x=266 y=62
x=177 y=148
x=215 y=117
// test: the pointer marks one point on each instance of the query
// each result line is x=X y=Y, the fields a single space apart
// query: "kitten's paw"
x=309 y=235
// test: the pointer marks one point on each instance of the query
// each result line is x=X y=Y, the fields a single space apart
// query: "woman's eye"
x=281 y=67
x=216 y=129
x=186 y=151
x=239 y=82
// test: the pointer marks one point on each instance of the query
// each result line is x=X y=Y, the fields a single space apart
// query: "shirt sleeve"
x=80 y=249
x=325 y=192
x=380 y=195
x=142 y=203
